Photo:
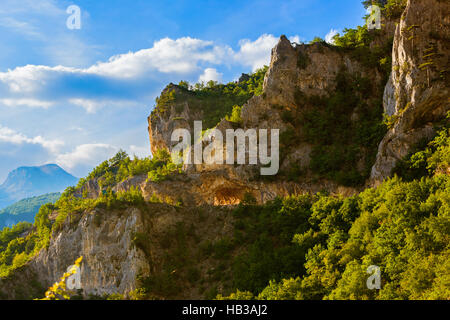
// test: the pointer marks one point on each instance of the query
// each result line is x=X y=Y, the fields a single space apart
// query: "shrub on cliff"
x=121 y=167
x=428 y=158
x=340 y=143
x=213 y=99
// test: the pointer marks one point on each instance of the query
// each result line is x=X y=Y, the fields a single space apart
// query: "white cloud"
x=44 y=86
x=30 y=78
x=93 y=105
x=14 y=137
x=46 y=7
x=295 y=39
x=210 y=74
x=32 y=103
x=166 y=56
x=257 y=53
x=330 y=35
x=180 y=56
x=141 y=152
x=86 y=155
x=22 y=27
x=70 y=51
x=126 y=80
x=77 y=129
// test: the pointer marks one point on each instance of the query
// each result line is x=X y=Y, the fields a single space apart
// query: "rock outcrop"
x=417 y=93
x=120 y=248
x=111 y=263
x=295 y=72
x=178 y=115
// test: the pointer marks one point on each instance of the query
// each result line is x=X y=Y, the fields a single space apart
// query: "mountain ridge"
x=29 y=181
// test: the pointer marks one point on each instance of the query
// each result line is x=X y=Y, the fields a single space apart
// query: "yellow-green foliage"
x=163 y=101
x=121 y=167
x=17 y=248
x=20 y=243
x=432 y=158
x=162 y=173
x=235 y=115
x=319 y=247
x=238 y=295
x=390 y=121
x=359 y=43
x=340 y=143
x=391 y=8
x=58 y=291
x=402 y=227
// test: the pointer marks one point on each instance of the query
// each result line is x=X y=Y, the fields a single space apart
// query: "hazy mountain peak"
x=25 y=182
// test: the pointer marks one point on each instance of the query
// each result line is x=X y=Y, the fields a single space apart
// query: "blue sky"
x=74 y=97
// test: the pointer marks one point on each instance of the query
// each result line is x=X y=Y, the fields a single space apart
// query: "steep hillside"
x=416 y=96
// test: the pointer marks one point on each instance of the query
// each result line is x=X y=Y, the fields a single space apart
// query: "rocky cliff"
x=415 y=96
x=417 y=93
x=298 y=76
x=124 y=249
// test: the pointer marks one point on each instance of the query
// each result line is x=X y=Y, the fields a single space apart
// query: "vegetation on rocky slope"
x=23 y=241
x=213 y=100
x=428 y=157
x=303 y=247
x=390 y=8
x=343 y=149
x=121 y=167
x=401 y=227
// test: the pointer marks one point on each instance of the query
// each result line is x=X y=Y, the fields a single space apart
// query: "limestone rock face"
x=104 y=239
x=295 y=72
x=311 y=69
x=161 y=125
x=417 y=93
x=118 y=247
x=111 y=262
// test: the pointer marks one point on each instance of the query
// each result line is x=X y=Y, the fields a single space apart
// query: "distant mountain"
x=25 y=210
x=26 y=182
